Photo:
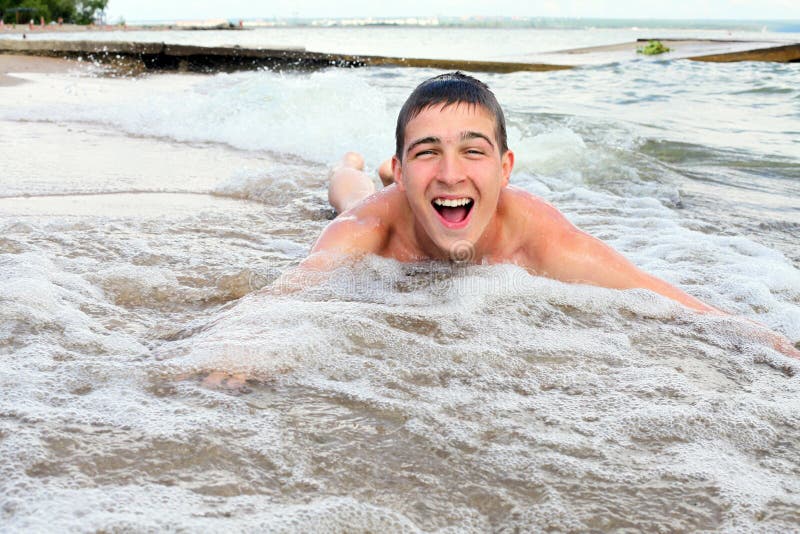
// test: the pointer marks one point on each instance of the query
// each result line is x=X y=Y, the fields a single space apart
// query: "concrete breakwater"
x=711 y=50
x=159 y=56
x=133 y=58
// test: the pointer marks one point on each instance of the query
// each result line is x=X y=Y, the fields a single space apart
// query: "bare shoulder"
x=558 y=249
x=363 y=229
x=538 y=223
x=533 y=209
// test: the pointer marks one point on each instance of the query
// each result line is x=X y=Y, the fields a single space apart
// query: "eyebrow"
x=435 y=140
x=423 y=141
x=476 y=135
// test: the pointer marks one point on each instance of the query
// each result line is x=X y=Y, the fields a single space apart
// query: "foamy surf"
x=315 y=115
x=530 y=385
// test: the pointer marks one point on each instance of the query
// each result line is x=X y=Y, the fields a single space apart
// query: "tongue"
x=454 y=215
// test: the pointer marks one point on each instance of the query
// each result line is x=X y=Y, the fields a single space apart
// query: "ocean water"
x=143 y=221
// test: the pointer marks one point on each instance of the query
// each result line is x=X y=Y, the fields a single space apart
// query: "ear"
x=397 y=171
x=507 y=165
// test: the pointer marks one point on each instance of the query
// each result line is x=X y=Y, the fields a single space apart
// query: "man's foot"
x=353 y=160
x=385 y=172
x=348 y=185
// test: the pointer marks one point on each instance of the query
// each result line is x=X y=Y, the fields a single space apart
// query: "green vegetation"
x=72 y=11
x=653 y=48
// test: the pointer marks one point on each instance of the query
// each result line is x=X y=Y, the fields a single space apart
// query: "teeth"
x=451 y=202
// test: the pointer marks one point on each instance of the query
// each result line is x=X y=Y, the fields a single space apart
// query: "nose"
x=451 y=171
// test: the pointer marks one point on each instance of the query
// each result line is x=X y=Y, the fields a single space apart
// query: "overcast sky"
x=135 y=10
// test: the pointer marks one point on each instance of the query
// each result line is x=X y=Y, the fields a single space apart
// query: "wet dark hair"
x=448 y=89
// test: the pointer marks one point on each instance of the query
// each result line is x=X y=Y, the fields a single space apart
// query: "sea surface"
x=143 y=221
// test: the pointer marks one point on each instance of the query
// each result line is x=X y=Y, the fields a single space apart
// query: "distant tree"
x=77 y=11
x=5 y=5
x=28 y=10
x=63 y=8
x=49 y=9
x=87 y=10
x=41 y=7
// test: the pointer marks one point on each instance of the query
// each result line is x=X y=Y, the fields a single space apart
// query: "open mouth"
x=453 y=211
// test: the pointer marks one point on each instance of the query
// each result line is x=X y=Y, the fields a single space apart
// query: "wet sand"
x=10 y=64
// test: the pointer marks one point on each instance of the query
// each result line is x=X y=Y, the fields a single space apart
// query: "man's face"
x=452 y=173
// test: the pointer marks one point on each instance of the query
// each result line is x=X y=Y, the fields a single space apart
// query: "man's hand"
x=235 y=383
x=780 y=343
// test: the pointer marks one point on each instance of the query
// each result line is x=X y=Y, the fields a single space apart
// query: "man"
x=451 y=201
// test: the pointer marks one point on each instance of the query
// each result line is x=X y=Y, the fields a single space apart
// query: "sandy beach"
x=10 y=64
x=13 y=63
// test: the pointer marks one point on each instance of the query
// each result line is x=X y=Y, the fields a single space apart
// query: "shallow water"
x=142 y=222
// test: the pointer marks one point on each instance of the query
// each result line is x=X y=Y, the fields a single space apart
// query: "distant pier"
x=134 y=58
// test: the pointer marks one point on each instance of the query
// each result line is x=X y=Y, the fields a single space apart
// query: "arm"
x=345 y=240
x=575 y=256
x=350 y=235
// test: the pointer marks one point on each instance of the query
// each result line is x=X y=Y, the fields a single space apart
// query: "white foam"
x=40 y=296
x=158 y=508
x=486 y=369
x=316 y=115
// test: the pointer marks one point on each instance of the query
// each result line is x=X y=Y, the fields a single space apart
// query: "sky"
x=143 y=10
